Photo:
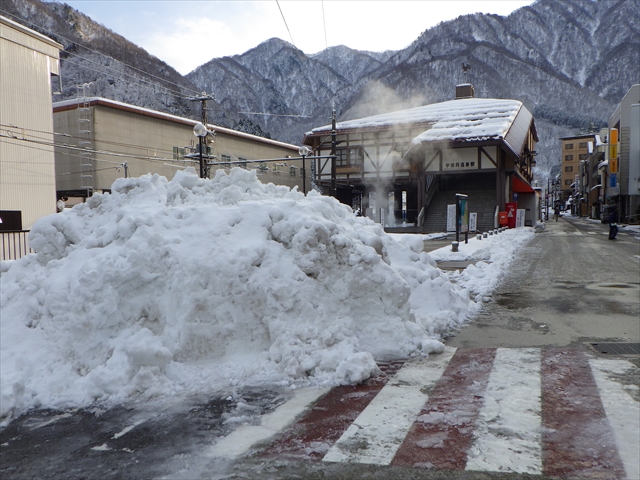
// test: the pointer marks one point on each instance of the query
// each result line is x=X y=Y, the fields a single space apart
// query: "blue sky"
x=187 y=33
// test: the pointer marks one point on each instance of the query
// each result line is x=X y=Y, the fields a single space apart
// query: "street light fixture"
x=304 y=151
x=200 y=131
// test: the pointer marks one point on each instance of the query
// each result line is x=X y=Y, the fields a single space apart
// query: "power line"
x=324 y=23
x=285 y=24
x=42 y=29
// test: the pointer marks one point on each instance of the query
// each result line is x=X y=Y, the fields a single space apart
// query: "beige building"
x=28 y=60
x=575 y=149
x=99 y=140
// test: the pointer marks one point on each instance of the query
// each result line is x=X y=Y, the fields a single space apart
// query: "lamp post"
x=304 y=151
x=200 y=131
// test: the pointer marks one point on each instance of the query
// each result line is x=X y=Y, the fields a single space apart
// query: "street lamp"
x=304 y=151
x=200 y=131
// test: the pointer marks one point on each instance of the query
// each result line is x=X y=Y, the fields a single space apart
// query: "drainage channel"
x=617 y=348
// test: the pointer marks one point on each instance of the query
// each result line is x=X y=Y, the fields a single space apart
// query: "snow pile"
x=194 y=286
x=491 y=257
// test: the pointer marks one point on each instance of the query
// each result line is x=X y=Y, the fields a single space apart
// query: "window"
x=583 y=156
x=226 y=158
x=244 y=160
x=582 y=145
x=568 y=169
x=568 y=158
x=568 y=182
x=568 y=146
x=292 y=171
x=178 y=153
x=348 y=157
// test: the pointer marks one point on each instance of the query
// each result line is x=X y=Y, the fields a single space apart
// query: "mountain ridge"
x=569 y=61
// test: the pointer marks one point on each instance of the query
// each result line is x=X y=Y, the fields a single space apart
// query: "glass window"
x=568 y=158
x=178 y=153
x=583 y=156
x=582 y=145
x=568 y=169
x=569 y=146
x=568 y=182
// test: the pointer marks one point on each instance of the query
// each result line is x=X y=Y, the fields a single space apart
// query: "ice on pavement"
x=191 y=286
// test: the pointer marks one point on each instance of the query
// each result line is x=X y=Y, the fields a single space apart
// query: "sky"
x=187 y=34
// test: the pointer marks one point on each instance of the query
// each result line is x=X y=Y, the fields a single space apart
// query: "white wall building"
x=27 y=165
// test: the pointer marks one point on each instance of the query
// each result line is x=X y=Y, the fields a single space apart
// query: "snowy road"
x=463 y=411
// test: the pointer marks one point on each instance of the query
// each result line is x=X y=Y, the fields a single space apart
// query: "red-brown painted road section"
x=578 y=441
x=443 y=432
x=312 y=435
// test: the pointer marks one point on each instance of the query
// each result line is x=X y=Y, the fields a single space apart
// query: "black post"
x=201 y=143
x=304 y=176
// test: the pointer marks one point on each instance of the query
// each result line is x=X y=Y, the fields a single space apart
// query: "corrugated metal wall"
x=27 y=166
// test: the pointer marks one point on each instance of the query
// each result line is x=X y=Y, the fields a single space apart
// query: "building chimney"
x=464 y=90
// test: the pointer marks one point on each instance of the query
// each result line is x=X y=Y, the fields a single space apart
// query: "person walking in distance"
x=556 y=212
x=613 y=223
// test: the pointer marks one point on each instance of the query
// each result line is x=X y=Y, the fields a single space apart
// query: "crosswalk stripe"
x=375 y=436
x=508 y=427
x=243 y=438
x=561 y=413
x=443 y=431
x=622 y=411
x=578 y=441
x=324 y=423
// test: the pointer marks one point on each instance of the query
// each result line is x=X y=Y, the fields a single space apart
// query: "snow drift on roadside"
x=193 y=286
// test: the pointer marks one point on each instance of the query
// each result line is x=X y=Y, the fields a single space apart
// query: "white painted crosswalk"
x=526 y=410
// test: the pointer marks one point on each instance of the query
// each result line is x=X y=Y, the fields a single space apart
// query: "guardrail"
x=14 y=244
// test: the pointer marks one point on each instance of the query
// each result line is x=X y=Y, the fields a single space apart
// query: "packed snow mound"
x=191 y=286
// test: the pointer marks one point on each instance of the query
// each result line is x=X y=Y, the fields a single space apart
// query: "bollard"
x=479 y=237
x=490 y=232
x=454 y=246
x=484 y=234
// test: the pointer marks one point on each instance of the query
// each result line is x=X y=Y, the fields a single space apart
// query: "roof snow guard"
x=457 y=121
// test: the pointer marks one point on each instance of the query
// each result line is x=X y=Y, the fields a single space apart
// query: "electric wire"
x=77 y=58
x=76 y=137
x=42 y=29
x=324 y=24
x=285 y=24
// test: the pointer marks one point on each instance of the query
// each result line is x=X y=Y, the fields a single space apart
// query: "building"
x=623 y=183
x=575 y=150
x=404 y=168
x=99 y=140
x=28 y=61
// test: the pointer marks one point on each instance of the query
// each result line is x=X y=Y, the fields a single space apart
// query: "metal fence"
x=14 y=244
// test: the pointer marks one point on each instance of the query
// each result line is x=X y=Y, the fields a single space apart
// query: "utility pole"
x=203 y=97
x=202 y=132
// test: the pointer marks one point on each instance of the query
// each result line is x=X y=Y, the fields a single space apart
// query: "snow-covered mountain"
x=569 y=61
x=115 y=67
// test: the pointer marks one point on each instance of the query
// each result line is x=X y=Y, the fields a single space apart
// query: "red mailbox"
x=511 y=214
x=503 y=219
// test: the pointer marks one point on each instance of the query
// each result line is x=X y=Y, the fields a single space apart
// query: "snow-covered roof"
x=74 y=102
x=463 y=120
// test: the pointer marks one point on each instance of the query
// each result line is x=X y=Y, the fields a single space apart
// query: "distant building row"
x=602 y=170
